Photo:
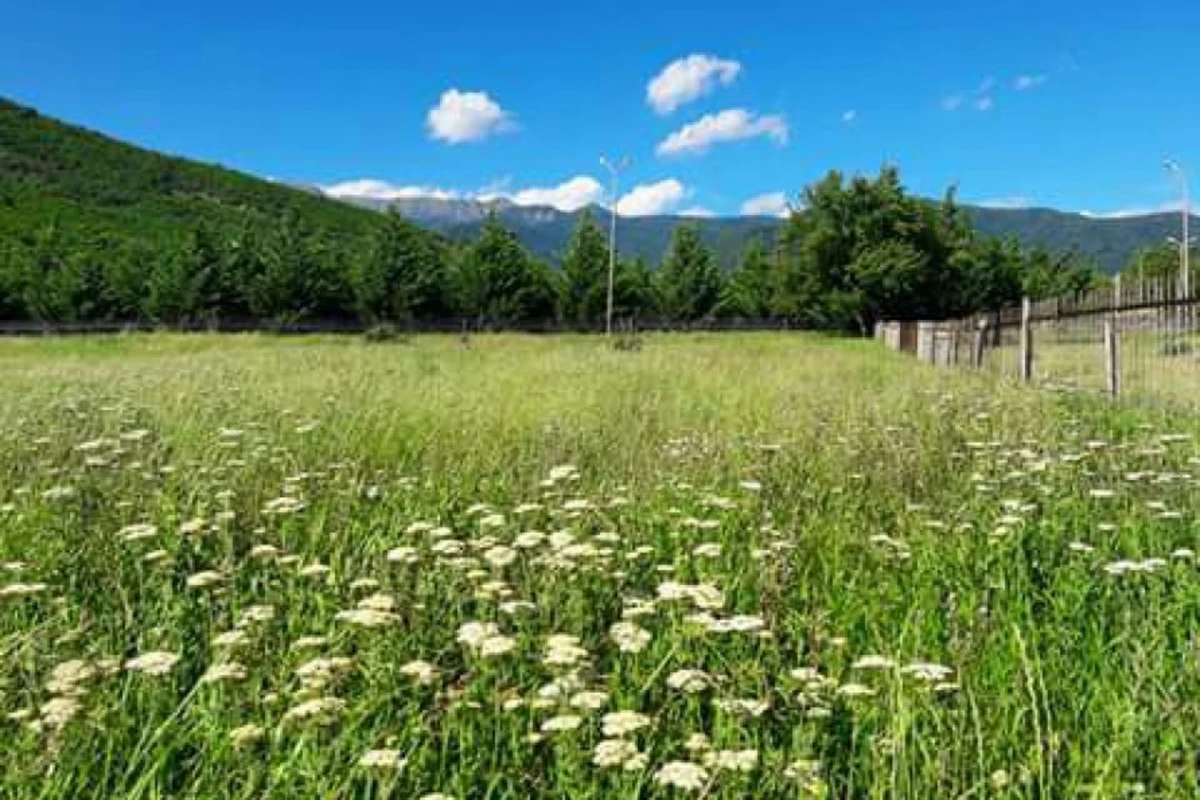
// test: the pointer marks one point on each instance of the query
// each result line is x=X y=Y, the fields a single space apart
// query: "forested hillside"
x=91 y=184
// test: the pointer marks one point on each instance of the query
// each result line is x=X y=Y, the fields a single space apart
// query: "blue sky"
x=1070 y=105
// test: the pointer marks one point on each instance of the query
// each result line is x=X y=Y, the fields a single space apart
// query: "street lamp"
x=614 y=170
x=1173 y=167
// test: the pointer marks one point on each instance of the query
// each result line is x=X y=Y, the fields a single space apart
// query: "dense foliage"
x=93 y=229
x=1108 y=241
x=1158 y=264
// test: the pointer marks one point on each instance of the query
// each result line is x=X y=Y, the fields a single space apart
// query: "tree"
x=867 y=250
x=992 y=270
x=14 y=270
x=48 y=282
x=750 y=292
x=243 y=264
x=168 y=296
x=497 y=281
x=689 y=282
x=584 y=288
x=402 y=275
x=634 y=291
x=1046 y=275
x=277 y=292
x=1159 y=263
x=204 y=262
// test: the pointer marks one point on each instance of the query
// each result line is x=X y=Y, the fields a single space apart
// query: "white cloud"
x=652 y=198
x=952 y=102
x=727 y=126
x=1135 y=211
x=368 y=188
x=570 y=195
x=699 y=212
x=1024 y=83
x=1015 y=201
x=849 y=116
x=687 y=79
x=982 y=97
x=772 y=204
x=467 y=117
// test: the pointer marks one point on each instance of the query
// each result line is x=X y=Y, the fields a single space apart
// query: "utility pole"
x=1185 y=244
x=614 y=170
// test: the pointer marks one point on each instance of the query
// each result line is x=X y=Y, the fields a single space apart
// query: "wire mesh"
x=1140 y=339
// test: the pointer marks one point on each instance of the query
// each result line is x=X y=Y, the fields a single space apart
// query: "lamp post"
x=1173 y=167
x=614 y=170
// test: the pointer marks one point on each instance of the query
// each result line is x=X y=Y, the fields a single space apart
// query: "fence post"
x=977 y=339
x=1112 y=355
x=1026 y=348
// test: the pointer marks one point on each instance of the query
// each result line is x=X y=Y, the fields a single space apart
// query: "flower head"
x=682 y=775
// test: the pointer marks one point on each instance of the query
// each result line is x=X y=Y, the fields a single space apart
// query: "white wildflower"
x=614 y=753
x=134 y=533
x=619 y=724
x=732 y=760
x=682 y=775
x=320 y=710
x=629 y=637
x=928 y=672
x=690 y=681
x=22 y=589
x=497 y=646
x=368 y=618
x=875 y=662
x=246 y=735
x=421 y=672
x=589 y=701
x=230 y=671
x=473 y=634
x=382 y=759
x=205 y=579
x=562 y=723
x=155 y=662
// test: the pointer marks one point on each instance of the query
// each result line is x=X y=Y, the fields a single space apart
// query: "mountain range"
x=1108 y=241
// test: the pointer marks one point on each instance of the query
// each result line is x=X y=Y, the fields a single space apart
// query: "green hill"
x=90 y=185
x=1110 y=242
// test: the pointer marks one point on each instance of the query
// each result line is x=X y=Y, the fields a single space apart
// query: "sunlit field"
x=725 y=566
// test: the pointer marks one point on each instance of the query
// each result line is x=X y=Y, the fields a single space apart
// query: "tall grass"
x=887 y=581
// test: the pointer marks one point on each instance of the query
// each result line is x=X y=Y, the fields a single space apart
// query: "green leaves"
x=498 y=282
x=584 y=294
x=689 y=281
x=402 y=276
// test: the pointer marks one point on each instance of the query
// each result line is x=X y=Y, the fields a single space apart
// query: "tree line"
x=856 y=251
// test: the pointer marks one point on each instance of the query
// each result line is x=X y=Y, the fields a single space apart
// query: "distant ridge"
x=1110 y=241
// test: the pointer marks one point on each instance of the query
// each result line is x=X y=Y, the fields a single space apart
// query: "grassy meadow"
x=732 y=566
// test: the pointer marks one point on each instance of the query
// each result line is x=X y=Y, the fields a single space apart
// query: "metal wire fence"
x=1140 y=340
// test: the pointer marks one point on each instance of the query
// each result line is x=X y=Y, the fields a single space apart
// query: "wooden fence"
x=1138 y=339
